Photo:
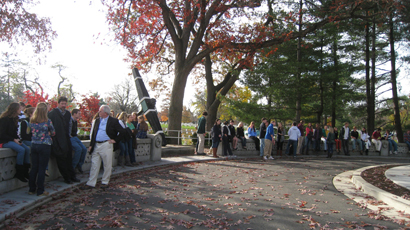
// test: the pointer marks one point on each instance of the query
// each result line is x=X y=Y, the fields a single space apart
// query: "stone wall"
x=148 y=149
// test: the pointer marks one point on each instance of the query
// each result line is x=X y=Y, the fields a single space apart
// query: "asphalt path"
x=234 y=194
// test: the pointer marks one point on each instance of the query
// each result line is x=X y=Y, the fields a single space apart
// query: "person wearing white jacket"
x=365 y=141
x=294 y=134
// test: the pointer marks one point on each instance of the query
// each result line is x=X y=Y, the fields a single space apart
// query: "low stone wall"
x=148 y=149
x=402 y=149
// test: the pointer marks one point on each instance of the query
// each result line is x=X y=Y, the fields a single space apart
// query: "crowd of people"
x=36 y=133
x=300 y=138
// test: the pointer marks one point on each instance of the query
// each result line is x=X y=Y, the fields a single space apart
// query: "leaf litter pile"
x=242 y=194
x=376 y=176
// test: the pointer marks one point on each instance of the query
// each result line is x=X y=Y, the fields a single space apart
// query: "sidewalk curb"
x=388 y=198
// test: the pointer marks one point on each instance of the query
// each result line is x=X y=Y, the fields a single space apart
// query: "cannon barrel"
x=148 y=105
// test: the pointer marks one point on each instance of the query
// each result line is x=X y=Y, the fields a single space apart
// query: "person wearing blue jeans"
x=407 y=138
x=42 y=130
x=356 y=139
x=294 y=134
x=10 y=139
x=78 y=147
x=124 y=157
x=392 y=144
x=262 y=134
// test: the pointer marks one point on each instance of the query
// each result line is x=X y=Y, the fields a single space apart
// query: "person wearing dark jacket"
x=233 y=138
x=241 y=134
x=79 y=149
x=338 y=144
x=201 y=133
x=225 y=140
x=262 y=134
x=25 y=132
x=105 y=132
x=216 y=137
x=330 y=141
x=317 y=136
x=345 y=138
x=10 y=139
x=61 y=148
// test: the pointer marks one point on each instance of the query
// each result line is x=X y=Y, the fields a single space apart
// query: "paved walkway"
x=18 y=202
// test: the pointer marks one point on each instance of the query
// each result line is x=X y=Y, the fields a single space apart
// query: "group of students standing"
x=300 y=138
x=135 y=127
x=37 y=133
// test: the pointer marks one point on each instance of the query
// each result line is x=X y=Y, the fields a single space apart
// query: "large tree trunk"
x=177 y=99
x=212 y=100
x=372 y=115
x=369 y=96
x=397 y=121
x=334 y=86
x=320 y=110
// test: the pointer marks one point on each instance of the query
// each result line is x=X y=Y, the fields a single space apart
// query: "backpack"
x=212 y=133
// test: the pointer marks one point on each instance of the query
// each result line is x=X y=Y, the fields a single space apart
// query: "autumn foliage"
x=18 y=25
x=33 y=99
x=89 y=106
x=178 y=35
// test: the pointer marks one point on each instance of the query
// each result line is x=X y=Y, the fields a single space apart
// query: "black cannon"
x=148 y=105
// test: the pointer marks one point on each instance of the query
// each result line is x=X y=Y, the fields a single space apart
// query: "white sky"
x=93 y=65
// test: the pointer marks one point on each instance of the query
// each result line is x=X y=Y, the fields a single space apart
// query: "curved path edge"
x=382 y=204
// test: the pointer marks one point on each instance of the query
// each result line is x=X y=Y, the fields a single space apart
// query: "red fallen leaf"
x=335 y=211
x=231 y=192
x=300 y=222
x=286 y=195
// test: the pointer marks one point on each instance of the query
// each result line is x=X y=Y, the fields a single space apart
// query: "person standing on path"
x=331 y=142
x=61 y=147
x=42 y=129
x=280 y=138
x=294 y=134
x=308 y=139
x=225 y=140
x=201 y=133
x=301 y=139
x=216 y=137
x=105 y=132
x=269 y=141
x=262 y=135
x=345 y=137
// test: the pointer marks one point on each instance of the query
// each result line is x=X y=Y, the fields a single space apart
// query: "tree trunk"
x=397 y=121
x=369 y=96
x=299 y=59
x=334 y=86
x=372 y=114
x=320 y=110
x=212 y=100
x=177 y=100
